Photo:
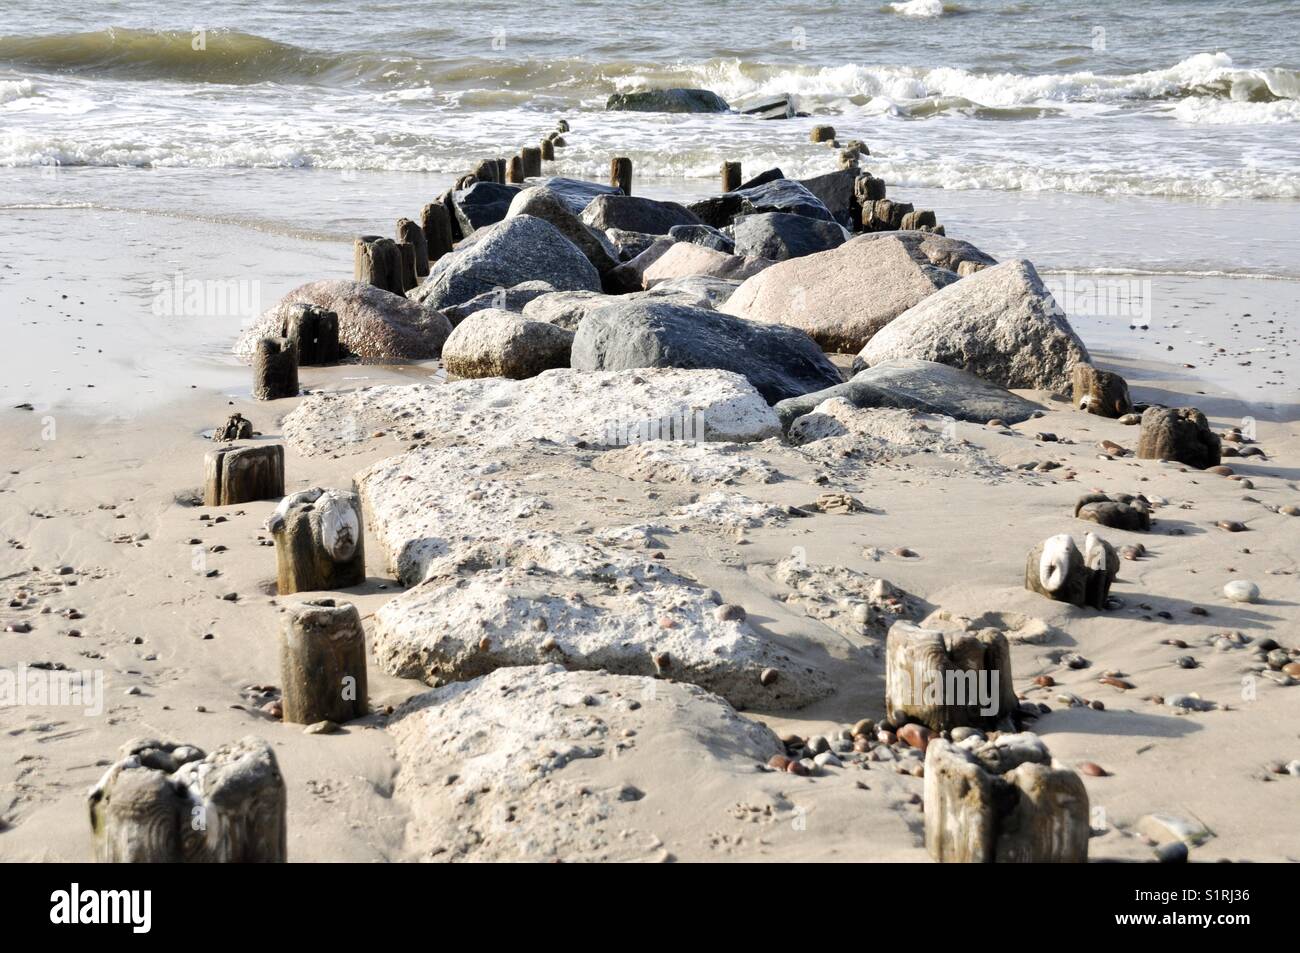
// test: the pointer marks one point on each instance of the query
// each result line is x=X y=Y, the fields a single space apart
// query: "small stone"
x=778 y=762
x=818 y=743
x=796 y=767
x=768 y=677
x=1093 y=770
x=864 y=727
x=1231 y=526
x=729 y=612
x=1241 y=590
x=1172 y=853
x=886 y=737
x=828 y=759
x=1044 y=681
x=918 y=736
x=325 y=727
x=963 y=732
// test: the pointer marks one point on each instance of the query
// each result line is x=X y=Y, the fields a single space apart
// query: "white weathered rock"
x=1001 y=324
x=542 y=764
x=565 y=406
x=1241 y=590
x=685 y=259
x=670 y=461
x=496 y=343
x=730 y=511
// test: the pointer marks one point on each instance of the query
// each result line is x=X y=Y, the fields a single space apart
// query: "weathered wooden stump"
x=409 y=231
x=921 y=218
x=531 y=157
x=435 y=220
x=323 y=663
x=1121 y=511
x=243 y=474
x=314 y=332
x=731 y=176
x=1179 y=433
x=409 y=278
x=868 y=189
x=1003 y=802
x=547 y=148
x=376 y=261
x=562 y=125
x=515 y=171
x=465 y=181
x=485 y=170
x=884 y=215
x=620 y=174
x=822 y=134
x=319 y=541
x=1058 y=570
x=963 y=680
x=275 y=369
x=1100 y=392
x=236 y=427
x=168 y=803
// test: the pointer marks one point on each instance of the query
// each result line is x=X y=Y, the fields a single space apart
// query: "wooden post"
x=409 y=279
x=548 y=150
x=323 y=663
x=435 y=220
x=531 y=157
x=167 y=803
x=275 y=369
x=486 y=170
x=376 y=261
x=1100 y=392
x=236 y=427
x=983 y=807
x=822 y=134
x=964 y=683
x=314 y=332
x=923 y=218
x=408 y=231
x=319 y=541
x=731 y=176
x=620 y=174
x=562 y=125
x=515 y=170
x=1057 y=569
x=243 y=474
x=501 y=168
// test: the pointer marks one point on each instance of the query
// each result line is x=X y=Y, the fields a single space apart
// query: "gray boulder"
x=630 y=244
x=780 y=236
x=835 y=191
x=714 y=290
x=374 y=325
x=506 y=299
x=635 y=214
x=762 y=194
x=630 y=276
x=668 y=101
x=780 y=362
x=684 y=260
x=938 y=250
x=482 y=204
x=509 y=253
x=705 y=235
x=576 y=194
x=549 y=206
x=566 y=309
x=909 y=384
x=496 y=343
x=1000 y=324
x=841 y=297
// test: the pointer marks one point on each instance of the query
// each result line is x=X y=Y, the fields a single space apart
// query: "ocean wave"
x=16 y=89
x=925 y=9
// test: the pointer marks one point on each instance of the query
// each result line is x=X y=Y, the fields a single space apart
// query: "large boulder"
x=684 y=260
x=668 y=101
x=630 y=276
x=716 y=291
x=496 y=343
x=909 y=384
x=780 y=362
x=931 y=249
x=705 y=235
x=636 y=214
x=780 y=236
x=374 y=325
x=482 y=204
x=566 y=309
x=504 y=299
x=576 y=194
x=549 y=206
x=509 y=253
x=783 y=195
x=835 y=191
x=1000 y=324
x=630 y=244
x=841 y=297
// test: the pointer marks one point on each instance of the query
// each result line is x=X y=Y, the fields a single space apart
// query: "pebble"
x=1241 y=590
x=818 y=743
x=918 y=736
x=963 y=732
x=864 y=727
x=886 y=737
x=729 y=612
x=828 y=759
x=1131 y=420
x=1232 y=526
x=1044 y=681
x=1093 y=770
x=1186 y=661
x=768 y=677
x=325 y=727
x=1172 y=853
x=778 y=762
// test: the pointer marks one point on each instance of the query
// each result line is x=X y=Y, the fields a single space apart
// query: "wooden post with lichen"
x=377 y=261
x=323 y=663
x=531 y=157
x=435 y=220
x=409 y=231
x=730 y=176
x=319 y=541
x=962 y=679
x=314 y=332
x=620 y=174
x=409 y=278
x=168 y=803
x=547 y=149
x=243 y=474
x=275 y=369
x=515 y=171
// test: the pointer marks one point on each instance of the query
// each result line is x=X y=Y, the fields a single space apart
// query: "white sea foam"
x=919 y=8
x=11 y=90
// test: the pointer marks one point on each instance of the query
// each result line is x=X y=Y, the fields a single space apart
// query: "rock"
x=517 y=766
x=1181 y=434
x=781 y=195
x=917 y=736
x=1241 y=590
x=716 y=291
x=510 y=253
x=1172 y=853
x=1122 y=511
x=630 y=276
x=769 y=107
x=917 y=385
x=705 y=235
x=1231 y=526
x=1000 y=324
x=550 y=207
x=780 y=236
x=677 y=461
x=505 y=299
x=1058 y=570
x=495 y=343
x=676 y=100
x=630 y=244
x=835 y=191
x=482 y=204
x=560 y=405
x=1100 y=392
x=841 y=297
x=575 y=193
x=636 y=214
x=927 y=248
x=567 y=308
x=1093 y=770
x=780 y=362
x=374 y=325
x=685 y=260
x=1167 y=828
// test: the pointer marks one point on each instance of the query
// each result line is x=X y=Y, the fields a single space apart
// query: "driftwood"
x=731 y=176
x=275 y=369
x=322 y=663
x=963 y=680
x=168 y=803
x=531 y=157
x=1100 y=392
x=314 y=332
x=1058 y=570
x=1002 y=802
x=620 y=174
x=243 y=474
x=236 y=427
x=435 y=220
x=408 y=231
x=376 y=261
x=319 y=541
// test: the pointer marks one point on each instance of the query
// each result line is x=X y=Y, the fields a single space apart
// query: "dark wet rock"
x=780 y=236
x=482 y=204
x=705 y=235
x=636 y=214
x=668 y=101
